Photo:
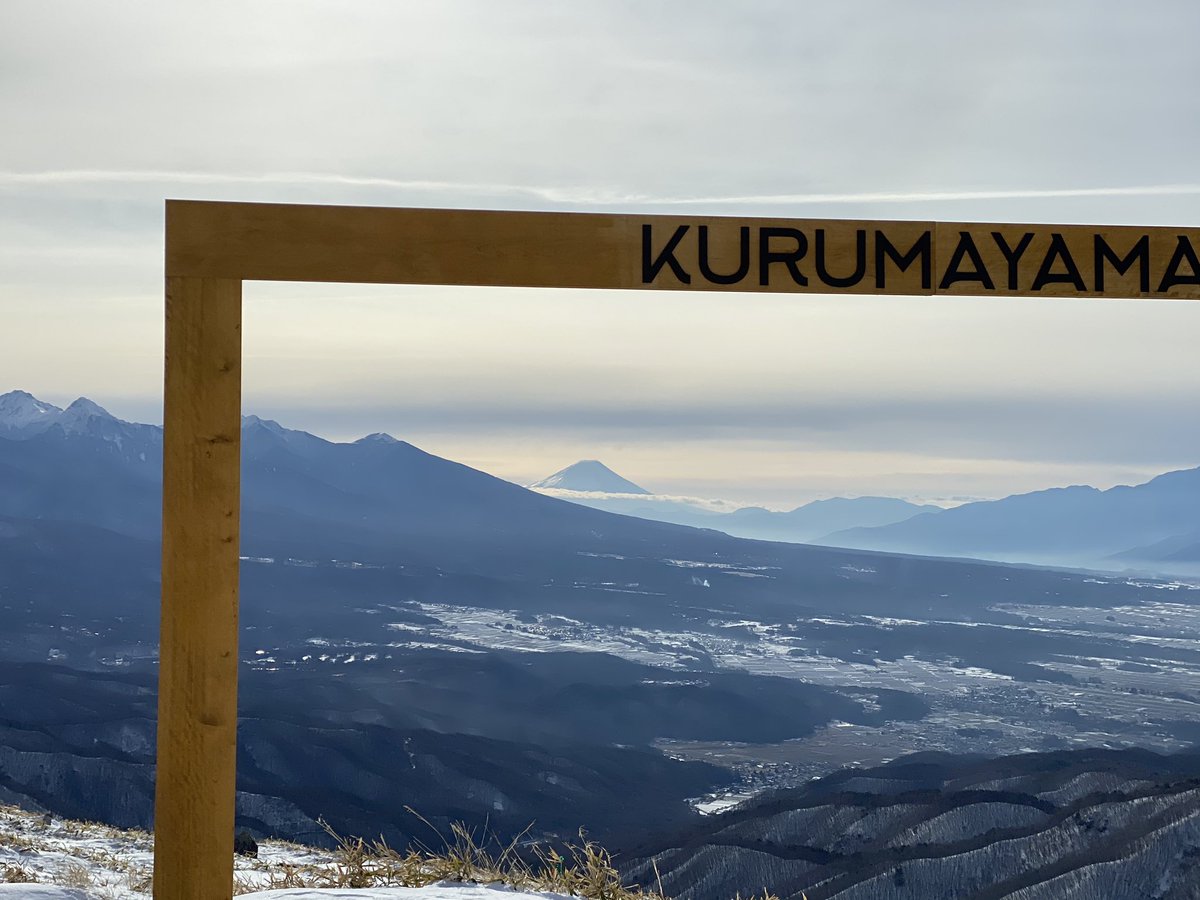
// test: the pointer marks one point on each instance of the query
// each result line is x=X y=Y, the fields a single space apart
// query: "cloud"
x=183 y=177
x=990 y=112
x=1160 y=190
x=701 y=503
x=568 y=195
x=1129 y=430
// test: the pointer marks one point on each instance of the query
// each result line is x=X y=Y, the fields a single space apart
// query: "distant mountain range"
x=1153 y=526
x=591 y=483
x=81 y=464
x=813 y=520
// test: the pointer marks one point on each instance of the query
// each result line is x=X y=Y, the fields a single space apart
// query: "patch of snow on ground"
x=719 y=804
x=46 y=858
x=432 y=892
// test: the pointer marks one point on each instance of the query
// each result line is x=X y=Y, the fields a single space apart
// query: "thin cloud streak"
x=568 y=195
x=1154 y=190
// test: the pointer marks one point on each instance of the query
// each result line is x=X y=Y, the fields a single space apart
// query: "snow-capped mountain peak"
x=262 y=436
x=23 y=417
x=24 y=414
x=589 y=475
x=79 y=415
x=379 y=437
x=257 y=422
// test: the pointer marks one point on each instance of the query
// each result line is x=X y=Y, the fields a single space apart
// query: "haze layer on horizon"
x=1023 y=112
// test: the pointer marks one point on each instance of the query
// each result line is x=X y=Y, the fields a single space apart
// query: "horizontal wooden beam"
x=275 y=242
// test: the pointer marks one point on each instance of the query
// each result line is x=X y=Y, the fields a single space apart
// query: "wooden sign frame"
x=211 y=248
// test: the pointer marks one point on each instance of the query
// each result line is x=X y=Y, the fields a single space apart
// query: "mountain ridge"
x=1154 y=525
x=1036 y=825
x=807 y=523
x=1079 y=525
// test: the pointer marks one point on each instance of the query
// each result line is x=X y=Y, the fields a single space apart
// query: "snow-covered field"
x=52 y=859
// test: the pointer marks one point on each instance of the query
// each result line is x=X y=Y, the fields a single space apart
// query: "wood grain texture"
x=277 y=242
x=1067 y=261
x=283 y=242
x=197 y=701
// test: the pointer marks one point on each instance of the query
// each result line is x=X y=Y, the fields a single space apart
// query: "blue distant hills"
x=81 y=464
x=1153 y=526
x=591 y=483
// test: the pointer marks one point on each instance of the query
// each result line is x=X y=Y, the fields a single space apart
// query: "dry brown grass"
x=16 y=875
x=74 y=875
x=583 y=869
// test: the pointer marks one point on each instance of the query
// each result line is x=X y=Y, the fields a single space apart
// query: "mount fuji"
x=591 y=483
x=589 y=475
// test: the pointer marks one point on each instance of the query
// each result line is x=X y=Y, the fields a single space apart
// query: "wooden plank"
x=273 y=242
x=197 y=702
x=1068 y=261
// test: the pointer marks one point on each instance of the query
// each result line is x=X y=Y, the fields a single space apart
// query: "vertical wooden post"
x=197 y=694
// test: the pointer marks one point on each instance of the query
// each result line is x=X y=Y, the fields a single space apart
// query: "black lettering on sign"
x=1058 y=251
x=743 y=258
x=1012 y=255
x=790 y=258
x=966 y=247
x=860 y=265
x=1011 y=258
x=652 y=265
x=923 y=248
x=1184 y=252
x=1122 y=264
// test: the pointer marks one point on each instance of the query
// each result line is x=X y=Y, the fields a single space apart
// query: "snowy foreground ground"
x=86 y=861
x=433 y=892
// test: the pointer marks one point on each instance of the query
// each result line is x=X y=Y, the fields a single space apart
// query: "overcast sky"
x=1022 y=111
